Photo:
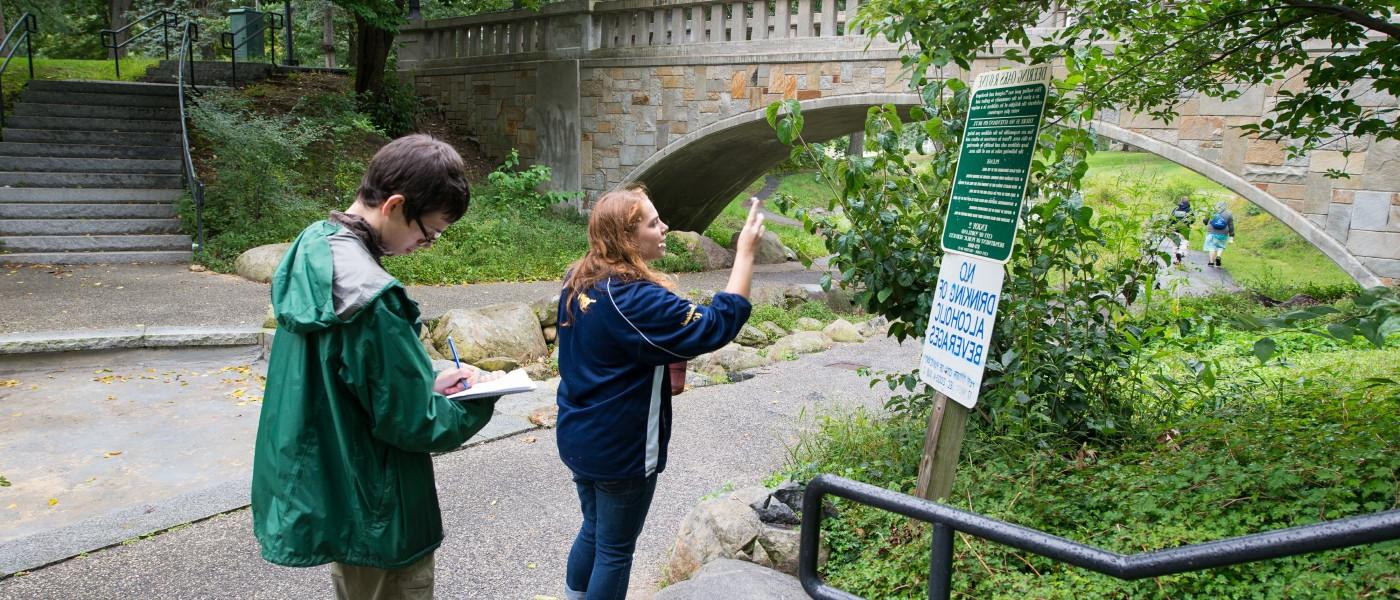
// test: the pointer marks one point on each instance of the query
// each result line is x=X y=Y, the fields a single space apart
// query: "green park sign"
x=994 y=163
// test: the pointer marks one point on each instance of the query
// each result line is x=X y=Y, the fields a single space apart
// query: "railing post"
x=165 y=33
x=940 y=570
x=29 y=46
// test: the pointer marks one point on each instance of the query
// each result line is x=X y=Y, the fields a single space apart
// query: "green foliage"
x=1241 y=468
x=1071 y=278
x=17 y=74
x=395 y=109
x=787 y=317
x=518 y=189
x=1164 y=51
x=4 y=482
x=253 y=190
x=678 y=259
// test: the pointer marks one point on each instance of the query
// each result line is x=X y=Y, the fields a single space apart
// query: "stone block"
x=1394 y=223
x=1275 y=174
x=1383 y=267
x=1291 y=193
x=631 y=155
x=1370 y=210
x=808 y=94
x=1323 y=161
x=1265 y=152
x=1169 y=136
x=1382 y=166
x=1318 y=194
x=1250 y=103
x=1343 y=196
x=1200 y=128
x=1339 y=221
x=680 y=127
x=1209 y=150
x=1374 y=244
x=739 y=84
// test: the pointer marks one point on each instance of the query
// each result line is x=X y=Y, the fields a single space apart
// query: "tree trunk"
x=328 y=33
x=3 y=29
x=371 y=51
x=119 y=9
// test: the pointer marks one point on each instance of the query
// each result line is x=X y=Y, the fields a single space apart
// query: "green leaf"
x=1264 y=349
x=883 y=295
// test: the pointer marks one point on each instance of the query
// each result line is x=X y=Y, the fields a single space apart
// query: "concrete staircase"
x=90 y=172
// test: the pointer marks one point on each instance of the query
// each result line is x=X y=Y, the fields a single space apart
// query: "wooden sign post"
x=979 y=233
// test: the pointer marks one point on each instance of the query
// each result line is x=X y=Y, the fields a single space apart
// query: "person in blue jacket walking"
x=620 y=325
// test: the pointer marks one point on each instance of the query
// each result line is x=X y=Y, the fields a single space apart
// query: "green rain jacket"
x=341 y=470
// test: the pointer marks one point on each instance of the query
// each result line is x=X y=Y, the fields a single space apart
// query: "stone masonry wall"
x=492 y=105
x=1362 y=211
x=629 y=113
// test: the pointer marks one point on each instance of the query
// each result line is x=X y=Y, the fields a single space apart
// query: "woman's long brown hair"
x=612 y=250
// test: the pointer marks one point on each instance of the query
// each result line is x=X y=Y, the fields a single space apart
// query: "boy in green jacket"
x=341 y=470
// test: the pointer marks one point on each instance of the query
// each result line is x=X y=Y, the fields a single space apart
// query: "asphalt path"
x=508 y=505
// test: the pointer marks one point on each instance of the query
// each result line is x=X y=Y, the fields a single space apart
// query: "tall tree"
x=328 y=33
x=117 y=10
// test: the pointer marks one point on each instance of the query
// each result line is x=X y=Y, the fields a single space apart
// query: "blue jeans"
x=600 y=561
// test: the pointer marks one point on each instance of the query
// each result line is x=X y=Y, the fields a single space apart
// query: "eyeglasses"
x=428 y=237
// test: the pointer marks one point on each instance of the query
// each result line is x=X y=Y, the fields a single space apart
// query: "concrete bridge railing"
x=672 y=93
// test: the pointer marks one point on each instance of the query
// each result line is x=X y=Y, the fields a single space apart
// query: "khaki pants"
x=414 y=582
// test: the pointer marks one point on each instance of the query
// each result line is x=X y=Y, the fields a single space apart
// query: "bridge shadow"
x=694 y=177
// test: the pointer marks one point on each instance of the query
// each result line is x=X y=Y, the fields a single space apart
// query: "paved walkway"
x=61 y=298
x=508 y=505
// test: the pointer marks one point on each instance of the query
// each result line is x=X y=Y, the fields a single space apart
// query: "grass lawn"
x=1266 y=257
x=17 y=74
x=805 y=191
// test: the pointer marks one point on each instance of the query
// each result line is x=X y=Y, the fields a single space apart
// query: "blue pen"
x=465 y=384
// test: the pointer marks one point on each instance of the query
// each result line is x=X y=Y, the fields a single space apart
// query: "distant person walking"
x=1181 y=221
x=1220 y=230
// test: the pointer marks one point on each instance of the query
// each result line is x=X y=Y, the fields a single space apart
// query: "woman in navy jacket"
x=620 y=324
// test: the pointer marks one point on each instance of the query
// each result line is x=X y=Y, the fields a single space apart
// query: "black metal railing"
x=26 y=25
x=113 y=38
x=267 y=27
x=1328 y=535
x=188 y=34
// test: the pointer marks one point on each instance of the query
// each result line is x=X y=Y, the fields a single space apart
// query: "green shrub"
x=517 y=189
x=1242 y=469
x=678 y=258
x=253 y=190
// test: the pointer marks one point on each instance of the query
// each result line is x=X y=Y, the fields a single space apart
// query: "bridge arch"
x=1294 y=220
x=734 y=152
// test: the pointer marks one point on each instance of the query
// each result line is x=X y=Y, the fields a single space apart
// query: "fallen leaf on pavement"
x=4 y=383
x=530 y=439
x=53 y=501
x=111 y=454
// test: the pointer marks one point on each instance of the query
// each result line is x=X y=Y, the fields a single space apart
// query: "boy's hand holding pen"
x=461 y=378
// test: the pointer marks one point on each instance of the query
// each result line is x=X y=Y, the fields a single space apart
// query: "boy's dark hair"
x=425 y=170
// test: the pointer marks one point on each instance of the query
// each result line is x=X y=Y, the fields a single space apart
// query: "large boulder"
x=876 y=326
x=510 y=329
x=802 y=342
x=770 y=249
x=735 y=580
x=258 y=264
x=773 y=330
x=808 y=324
x=768 y=295
x=729 y=359
x=751 y=336
x=710 y=255
x=547 y=310
x=842 y=330
x=728 y=527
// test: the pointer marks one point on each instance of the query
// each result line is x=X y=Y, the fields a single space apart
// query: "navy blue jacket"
x=614 y=393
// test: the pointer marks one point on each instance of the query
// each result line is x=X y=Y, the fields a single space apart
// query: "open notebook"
x=514 y=382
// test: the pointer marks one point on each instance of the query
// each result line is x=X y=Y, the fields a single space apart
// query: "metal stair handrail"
x=168 y=19
x=1327 y=535
x=30 y=25
x=190 y=32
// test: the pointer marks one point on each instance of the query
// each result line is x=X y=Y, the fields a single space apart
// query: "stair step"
x=95 y=180
x=91 y=124
x=92 y=243
x=50 y=164
x=125 y=88
x=65 y=136
x=90 y=111
x=51 y=227
x=90 y=151
x=98 y=258
x=16 y=210
x=31 y=95
x=94 y=195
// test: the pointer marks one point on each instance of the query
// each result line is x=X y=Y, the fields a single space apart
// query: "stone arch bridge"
x=672 y=93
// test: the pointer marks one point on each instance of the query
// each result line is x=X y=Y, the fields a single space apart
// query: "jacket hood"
x=302 y=298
